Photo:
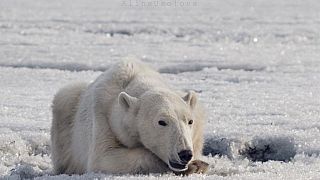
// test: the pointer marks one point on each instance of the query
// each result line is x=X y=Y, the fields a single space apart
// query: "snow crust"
x=254 y=64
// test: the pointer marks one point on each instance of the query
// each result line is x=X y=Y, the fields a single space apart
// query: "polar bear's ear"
x=126 y=101
x=191 y=99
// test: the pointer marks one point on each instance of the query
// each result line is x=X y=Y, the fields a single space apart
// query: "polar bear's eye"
x=162 y=123
x=190 y=122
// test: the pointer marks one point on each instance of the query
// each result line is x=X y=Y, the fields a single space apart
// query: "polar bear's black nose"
x=185 y=156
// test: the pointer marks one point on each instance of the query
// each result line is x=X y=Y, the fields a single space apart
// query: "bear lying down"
x=127 y=121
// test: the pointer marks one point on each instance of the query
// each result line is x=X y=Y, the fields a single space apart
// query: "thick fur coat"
x=127 y=121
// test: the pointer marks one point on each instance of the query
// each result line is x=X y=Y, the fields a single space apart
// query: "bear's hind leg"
x=64 y=107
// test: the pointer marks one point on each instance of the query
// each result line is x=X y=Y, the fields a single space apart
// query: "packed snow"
x=254 y=64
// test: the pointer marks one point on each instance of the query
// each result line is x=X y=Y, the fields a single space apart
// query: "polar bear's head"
x=162 y=121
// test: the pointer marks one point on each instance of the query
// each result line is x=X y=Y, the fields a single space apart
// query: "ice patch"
x=111 y=32
x=272 y=148
x=174 y=69
x=241 y=67
x=59 y=66
x=256 y=149
x=193 y=67
x=181 y=68
x=221 y=147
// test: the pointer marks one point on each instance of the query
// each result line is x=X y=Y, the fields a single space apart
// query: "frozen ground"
x=255 y=65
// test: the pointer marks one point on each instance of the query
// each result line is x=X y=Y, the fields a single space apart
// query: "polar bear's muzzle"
x=177 y=166
x=185 y=156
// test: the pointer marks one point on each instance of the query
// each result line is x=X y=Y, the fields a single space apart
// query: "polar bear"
x=127 y=121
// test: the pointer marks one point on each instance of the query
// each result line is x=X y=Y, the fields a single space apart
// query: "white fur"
x=111 y=125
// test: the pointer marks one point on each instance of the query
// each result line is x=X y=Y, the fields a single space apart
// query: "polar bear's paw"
x=196 y=166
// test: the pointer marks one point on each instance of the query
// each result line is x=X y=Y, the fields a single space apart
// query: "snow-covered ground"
x=255 y=65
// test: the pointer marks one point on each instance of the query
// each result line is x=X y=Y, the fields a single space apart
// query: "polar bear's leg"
x=64 y=108
x=124 y=160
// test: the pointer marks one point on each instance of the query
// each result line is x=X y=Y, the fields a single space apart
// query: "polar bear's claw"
x=195 y=167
